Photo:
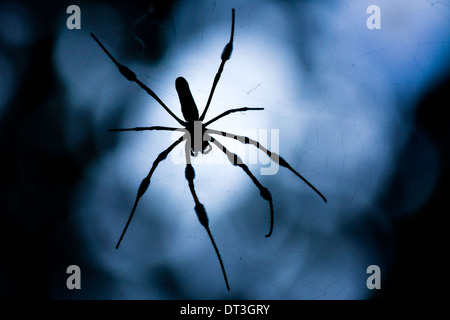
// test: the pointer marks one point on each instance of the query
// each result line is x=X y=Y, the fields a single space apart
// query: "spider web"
x=340 y=96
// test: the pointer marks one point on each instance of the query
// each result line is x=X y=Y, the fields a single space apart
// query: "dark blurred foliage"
x=39 y=171
x=421 y=238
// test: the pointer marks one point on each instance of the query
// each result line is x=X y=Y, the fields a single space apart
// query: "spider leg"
x=146 y=182
x=146 y=128
x=237 y=161
x=273 y=156
x=200 y=209
x=226 y=54
x=230 y=111
x=131 y=76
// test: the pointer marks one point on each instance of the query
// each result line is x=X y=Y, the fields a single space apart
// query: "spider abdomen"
x=188 y=106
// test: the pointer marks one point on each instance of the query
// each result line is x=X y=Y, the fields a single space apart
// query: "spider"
x=198 y=139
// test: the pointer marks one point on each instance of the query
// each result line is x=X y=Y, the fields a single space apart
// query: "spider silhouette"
x=198 y=140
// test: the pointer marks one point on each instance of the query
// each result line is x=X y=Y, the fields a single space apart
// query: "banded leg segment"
x=200 y=210
x=226 y=54
x=272 y=155
x=156 y=128
x=237 y=161
x=229 y=112
x=131 y=76
x=146 y=182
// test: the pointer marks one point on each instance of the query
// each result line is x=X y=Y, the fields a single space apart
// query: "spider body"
x=196 y=131
x=199 y=139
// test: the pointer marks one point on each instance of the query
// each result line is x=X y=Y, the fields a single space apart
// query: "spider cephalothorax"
x=197 y=136
x=199 y=139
